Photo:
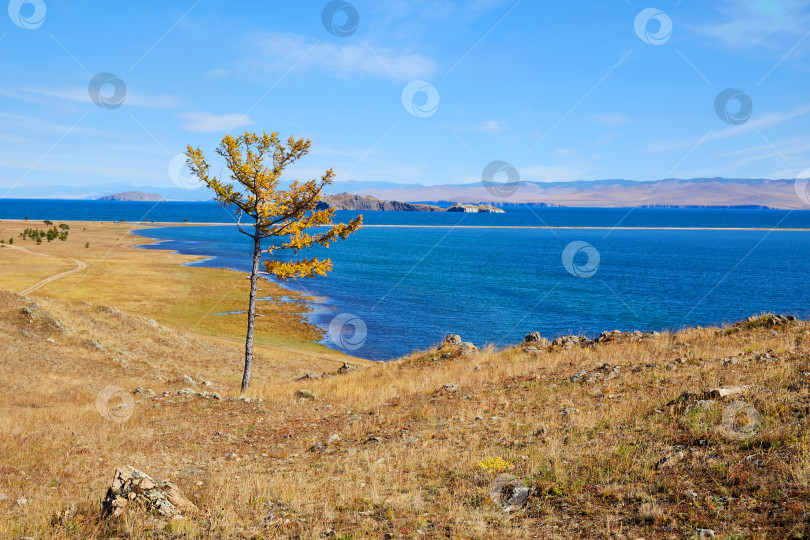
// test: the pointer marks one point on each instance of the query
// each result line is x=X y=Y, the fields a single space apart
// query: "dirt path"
x=79 y=267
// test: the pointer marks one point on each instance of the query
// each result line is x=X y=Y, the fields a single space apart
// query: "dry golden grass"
x=413 y=458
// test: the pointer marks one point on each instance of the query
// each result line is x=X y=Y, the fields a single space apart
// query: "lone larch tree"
x=289 y=216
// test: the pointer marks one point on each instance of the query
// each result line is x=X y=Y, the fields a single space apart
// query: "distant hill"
x=132 y=196
x=694 y=192
x=347 y=201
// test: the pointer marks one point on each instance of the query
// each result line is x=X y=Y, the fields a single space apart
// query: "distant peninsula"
x=348 y=201
x=132 y=196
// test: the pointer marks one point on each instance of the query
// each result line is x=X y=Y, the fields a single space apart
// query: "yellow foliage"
x=494 y=464
x=256 y=163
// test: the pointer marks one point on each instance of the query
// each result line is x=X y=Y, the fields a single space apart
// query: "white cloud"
x=206 y=122
x=759 y=123
x=218 y=73
x=492 y=127
x=78 y=94
x=282 y=52
x=757 y=23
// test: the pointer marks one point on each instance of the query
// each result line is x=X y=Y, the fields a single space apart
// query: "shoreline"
x=530 y=227
x=316 y=303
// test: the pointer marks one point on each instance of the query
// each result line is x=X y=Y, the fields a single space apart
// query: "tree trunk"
x=254 y=279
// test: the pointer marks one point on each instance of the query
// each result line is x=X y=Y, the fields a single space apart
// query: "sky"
x=417 y=91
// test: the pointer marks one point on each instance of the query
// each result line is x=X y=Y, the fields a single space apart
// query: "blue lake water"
x=209 y=212
x=411 y=286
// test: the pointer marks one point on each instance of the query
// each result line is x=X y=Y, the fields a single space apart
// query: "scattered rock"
x=93 y=344
x=309 y=377
x=688 y=401
x=133 y=487
x=333 y=438
x=578 y=376
x=536 y=338
x=144 y=391
x=468 y=349
x=22 y=501
x=450 y=387
x=189 y=380
x=453 y=339
x=305 y=394
x=722 y=392
x=705 y=533
x=345 y=368
x=670 y=460
x=569 y=342
x=508 y=492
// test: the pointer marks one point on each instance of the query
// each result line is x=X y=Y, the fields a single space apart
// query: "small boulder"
x=508 y=492
x=536 y=338
x=452 y=339
x=133 y=487
x=345 y=368
x=721 y=392
x=305 y=394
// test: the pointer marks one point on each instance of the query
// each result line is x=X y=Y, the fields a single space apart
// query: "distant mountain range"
x=132 y=196
x=717 y=192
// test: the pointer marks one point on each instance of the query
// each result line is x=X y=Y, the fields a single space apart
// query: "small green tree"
x=255 y=164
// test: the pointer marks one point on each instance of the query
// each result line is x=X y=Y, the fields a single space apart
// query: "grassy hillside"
x=627 y=438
